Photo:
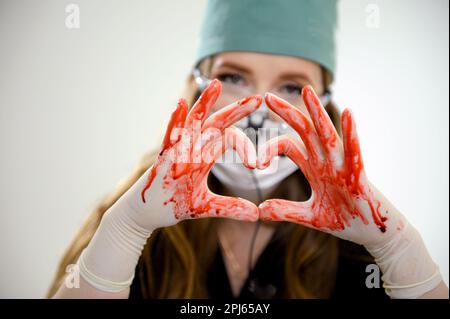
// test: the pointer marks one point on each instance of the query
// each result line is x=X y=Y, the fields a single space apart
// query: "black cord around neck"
x=258 y=223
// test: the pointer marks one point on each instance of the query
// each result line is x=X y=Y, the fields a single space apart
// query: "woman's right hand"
x=175 y=187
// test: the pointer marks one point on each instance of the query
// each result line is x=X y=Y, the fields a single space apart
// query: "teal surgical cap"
x=300 y=28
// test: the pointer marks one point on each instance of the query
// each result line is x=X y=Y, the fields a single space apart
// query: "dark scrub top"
x=266 y=279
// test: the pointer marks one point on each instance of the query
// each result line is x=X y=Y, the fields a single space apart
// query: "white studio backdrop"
x=80 y=106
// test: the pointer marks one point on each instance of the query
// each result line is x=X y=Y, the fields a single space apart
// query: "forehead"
x=263 y=63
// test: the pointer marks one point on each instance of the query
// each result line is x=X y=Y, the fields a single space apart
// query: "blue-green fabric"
x=301 y=28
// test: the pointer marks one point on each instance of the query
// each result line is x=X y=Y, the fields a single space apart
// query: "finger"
x=233 y=138
x=228 y=207
x=238 y=141
x=233 y=113
x=284 y=144
x=176 y=121
x=331 y=142
x=353 y=158
x=285 y=210
x=299 y=122
x=201 y=108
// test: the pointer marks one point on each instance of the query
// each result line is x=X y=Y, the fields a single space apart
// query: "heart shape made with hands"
x=341 y=193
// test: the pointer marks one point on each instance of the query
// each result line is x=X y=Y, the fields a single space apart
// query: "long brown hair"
x=175 y=259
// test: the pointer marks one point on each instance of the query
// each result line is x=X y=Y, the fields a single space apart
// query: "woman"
x=150 y=237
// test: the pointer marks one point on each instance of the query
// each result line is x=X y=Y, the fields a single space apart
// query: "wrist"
x=108 y=262
x=407 y=267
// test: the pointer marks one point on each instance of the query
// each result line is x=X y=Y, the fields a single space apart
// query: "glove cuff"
x=109 y=261
x=407 y=267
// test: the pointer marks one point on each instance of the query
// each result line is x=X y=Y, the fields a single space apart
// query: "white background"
x=79 y=107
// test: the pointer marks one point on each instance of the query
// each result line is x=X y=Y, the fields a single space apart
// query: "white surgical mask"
x=238 y=179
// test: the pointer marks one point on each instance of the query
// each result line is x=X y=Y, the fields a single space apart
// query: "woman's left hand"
x=343 y=201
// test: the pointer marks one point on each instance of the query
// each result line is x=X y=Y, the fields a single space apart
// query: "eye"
x=291 y=88
x=232 y=78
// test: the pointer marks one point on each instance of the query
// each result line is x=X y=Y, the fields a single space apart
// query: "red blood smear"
x=355 y=176
x=335 y=190
x=150 y=178
x=177 y=120
x=187 y=182
x=333 y=207
x=205 y=102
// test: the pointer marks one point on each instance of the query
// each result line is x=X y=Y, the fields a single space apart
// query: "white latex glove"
x=343 y=202
x=173 y=189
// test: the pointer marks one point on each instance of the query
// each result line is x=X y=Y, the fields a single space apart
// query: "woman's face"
x=247 y=73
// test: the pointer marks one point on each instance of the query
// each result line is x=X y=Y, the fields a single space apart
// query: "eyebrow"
x=233 y=65
x=296 y=75
x=283 y=76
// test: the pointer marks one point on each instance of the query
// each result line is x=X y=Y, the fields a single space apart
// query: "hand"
x=175 y=187
x=343 y=201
